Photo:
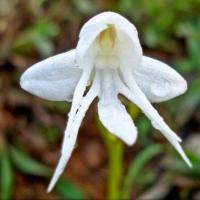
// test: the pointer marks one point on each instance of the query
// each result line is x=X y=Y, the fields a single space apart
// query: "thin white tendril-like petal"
x=135 y=95
x=54 y=78
x=112 y=113
x=158 y=81
x=142 y=102
x=78 y=95
x=72 y=131
x=77 y=98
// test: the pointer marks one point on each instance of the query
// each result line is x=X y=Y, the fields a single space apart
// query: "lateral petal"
x=138 y=98
x=158 y=81
x=54 y=78
x=71 y=132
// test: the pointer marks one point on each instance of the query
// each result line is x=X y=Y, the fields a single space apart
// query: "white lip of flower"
x=108 y=56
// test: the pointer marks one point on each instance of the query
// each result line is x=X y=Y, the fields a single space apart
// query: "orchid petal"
x=55 y=78
x=115 y=118
x=71 y=132
x=72 y=128
x=158 y=81
x=137 y=97
x=113 y=114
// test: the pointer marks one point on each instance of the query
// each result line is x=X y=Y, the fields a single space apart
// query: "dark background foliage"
x=31 y=128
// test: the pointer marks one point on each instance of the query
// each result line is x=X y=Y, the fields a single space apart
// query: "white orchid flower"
x=109 y=58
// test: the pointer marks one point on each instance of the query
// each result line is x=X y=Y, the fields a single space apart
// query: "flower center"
x=106 y=46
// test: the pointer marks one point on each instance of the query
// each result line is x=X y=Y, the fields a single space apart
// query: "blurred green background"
x=31 y=128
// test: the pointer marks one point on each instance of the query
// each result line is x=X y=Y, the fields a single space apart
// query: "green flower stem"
x=115 y=156
x=115 y=153
x=115 y=161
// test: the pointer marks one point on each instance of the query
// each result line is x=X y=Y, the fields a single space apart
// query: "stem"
x=115 y=157
x=115 y=153
x=115 y=163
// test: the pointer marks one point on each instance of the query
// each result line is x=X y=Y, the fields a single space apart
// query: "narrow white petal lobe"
x=137 y=97
x=71 y=132
x=112 y=113
x=115 y=118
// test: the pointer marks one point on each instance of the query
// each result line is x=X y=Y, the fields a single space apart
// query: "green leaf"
x=46 y=28
x=51 y=134
x=146 y=177
x=184 y=66
x=70 y=190
x=145 y=129
x=144 y=125
x=84 y=6
x=187 y=103
x=194 y=49
x=191 y=98
x=7 y=178
x=37 y=37
x=43 y=45
x=136 y=167
x=28 y=165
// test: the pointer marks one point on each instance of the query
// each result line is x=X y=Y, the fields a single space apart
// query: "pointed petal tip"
x=188 y=162
x=179 y=139
x=180 y=150
x=49 y=189
x=59 y=170
x=53 y=182
x=176 y=137
x=190 y=165
x=50 y=186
